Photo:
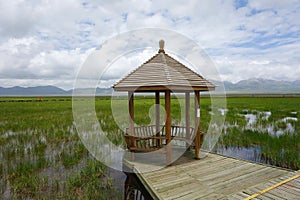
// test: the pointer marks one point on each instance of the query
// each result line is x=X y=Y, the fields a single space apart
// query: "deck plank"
x=287 y=190
x=216 y=177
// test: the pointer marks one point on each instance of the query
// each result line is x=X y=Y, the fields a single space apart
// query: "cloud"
x=57 y=64
x=16 y=19
x=27 y=59
x=49 y=40
x=262 y=62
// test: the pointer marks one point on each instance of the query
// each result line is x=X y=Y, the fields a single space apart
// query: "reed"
x=42 y=156
x=40 y=151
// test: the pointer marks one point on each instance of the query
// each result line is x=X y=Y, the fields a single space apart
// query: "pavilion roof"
x=162 y=72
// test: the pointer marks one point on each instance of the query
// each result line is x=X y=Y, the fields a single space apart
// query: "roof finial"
x=161 y=46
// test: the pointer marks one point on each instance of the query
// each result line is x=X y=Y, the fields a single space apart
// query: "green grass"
x=280 y=150
x=41 y=153
x=37 y=138
x=89 y=182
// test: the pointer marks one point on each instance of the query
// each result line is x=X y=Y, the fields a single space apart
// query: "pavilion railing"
x=146 y=138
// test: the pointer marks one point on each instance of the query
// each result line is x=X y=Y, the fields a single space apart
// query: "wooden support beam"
x=131 y=113
x=168 y=125
x=197 y=125
x=187 y=118
x=157 y=117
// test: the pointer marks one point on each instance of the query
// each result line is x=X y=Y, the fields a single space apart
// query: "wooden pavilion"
x=164 y=74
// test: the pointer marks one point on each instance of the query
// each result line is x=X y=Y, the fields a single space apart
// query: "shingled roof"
x=162 y=72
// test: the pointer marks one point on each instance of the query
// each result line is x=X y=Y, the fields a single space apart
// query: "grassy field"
x=42 y=156
x=272 y=124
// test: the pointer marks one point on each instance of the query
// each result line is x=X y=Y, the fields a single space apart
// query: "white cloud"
x=57 y=64
x=27 y=59
x=272 y=4
x=48 y=40
x=259 y=62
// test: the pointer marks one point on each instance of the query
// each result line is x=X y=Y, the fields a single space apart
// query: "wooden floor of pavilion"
x=215 y=177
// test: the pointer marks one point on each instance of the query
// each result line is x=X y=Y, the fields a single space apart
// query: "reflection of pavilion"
x=164 y=74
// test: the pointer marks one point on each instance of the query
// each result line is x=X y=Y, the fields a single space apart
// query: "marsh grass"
x=278 y=145
x=42 y=156
x=41 y=153
x=91 y=182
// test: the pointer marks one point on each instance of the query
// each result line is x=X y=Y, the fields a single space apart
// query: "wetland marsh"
x=43 y=157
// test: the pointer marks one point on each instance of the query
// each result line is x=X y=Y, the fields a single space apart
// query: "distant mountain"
x=49 y=91
x=254 y=85
x=259 y=85
x=32 y=91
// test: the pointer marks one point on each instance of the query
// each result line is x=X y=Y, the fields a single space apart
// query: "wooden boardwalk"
x=216 y=177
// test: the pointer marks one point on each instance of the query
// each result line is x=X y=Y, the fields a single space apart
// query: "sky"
x=45 y=42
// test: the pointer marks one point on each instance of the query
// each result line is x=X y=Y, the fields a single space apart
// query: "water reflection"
x=252 y=153
x=134 y=189
x=128 y=184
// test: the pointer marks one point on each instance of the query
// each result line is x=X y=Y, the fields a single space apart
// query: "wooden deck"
x=216 y=177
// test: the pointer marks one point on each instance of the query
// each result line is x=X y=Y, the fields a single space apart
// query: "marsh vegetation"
x=42 y=156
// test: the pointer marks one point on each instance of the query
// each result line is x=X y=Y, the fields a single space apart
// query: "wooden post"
x=131 y=112
x=131 y=118
x=157 y=119
x=168 y=125
x=197 y=125
x=187 y=118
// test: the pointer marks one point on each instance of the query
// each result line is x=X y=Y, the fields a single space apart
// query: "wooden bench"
x=145 y=138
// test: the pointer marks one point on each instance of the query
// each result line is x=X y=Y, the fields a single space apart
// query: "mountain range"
x=49 y=91
x=259 y=85
x=254 y=86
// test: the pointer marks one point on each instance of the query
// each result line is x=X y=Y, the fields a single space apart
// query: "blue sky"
x=46 y=42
